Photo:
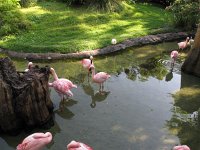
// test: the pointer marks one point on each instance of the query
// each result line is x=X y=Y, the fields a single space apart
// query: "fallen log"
x=24 y=98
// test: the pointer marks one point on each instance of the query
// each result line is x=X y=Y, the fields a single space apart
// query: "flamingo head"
x=73 y=145
x=52 y=70
x=30 y=65
x=187 y=39
x=91 y=57
x=91 y=67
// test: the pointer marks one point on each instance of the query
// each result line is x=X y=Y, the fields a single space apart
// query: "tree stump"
x=192 y=63
x=25 y=99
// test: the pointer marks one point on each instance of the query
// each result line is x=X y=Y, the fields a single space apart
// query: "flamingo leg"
x=99 y=87
x=172 y=63
x=102 y=87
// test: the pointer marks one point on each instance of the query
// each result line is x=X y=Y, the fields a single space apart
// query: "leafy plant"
x=11 y=19
x=105 y=5
x=27 y=3
x=186 y=13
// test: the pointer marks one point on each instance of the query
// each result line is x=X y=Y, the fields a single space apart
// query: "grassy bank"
x=58 y=28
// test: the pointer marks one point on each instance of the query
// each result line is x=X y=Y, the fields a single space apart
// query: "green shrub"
x=11 y=19
x=162 y=2
x=105 y=5
x=27 y=3
x=186 y=13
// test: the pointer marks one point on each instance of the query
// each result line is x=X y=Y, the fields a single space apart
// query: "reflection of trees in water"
x=185 y=121
x=186 y=128
x=150 y=68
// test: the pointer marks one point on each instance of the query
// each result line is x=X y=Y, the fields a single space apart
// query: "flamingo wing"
x=86 y=63
x=101 y=77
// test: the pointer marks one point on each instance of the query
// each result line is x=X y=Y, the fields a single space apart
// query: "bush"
x=186 y=13
x=11 y=20
x=27 y=3
x=105 y=5
x=162 y=2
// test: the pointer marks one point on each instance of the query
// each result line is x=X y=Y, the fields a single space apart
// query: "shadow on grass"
x=63 y=29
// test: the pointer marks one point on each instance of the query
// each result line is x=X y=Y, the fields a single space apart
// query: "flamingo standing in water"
x=184 y=44
x=181 y=147
x=99 y=78
x=174 y=56
x=62 y=86
x=73 y=145
x=87 y=63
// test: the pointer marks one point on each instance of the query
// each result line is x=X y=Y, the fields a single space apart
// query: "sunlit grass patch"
x=58 y=28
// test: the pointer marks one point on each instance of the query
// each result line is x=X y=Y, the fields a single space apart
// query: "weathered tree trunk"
x=24 y=99
x=192 y=62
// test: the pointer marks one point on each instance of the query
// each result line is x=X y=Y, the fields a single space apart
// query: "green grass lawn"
x=59 y=28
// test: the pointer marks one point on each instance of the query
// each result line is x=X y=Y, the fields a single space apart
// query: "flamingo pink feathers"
x=86 y=63
x=73 y=145
x=35 y=141
x=181 y=147
x=174 y=56
x=183 y=45
x=62 y=86
x=30 y=65
x=100 y=77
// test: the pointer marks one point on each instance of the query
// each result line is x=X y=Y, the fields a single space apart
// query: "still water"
x=144 y=106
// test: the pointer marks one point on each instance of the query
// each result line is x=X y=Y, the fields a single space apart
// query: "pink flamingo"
x=30 y=65
x=184 y=44
x=35 y=141
x=99 y=78
x=174 y=56
x=73 y=145
x=87 y=63
x=181 y=147
x=62 y=86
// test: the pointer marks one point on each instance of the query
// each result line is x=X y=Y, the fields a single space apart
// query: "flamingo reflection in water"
x=99 y=97
x=96 y=97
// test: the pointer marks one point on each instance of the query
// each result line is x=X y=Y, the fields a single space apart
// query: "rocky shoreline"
x=149 y=39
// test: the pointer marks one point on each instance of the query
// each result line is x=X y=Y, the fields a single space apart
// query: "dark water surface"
x=144 y=106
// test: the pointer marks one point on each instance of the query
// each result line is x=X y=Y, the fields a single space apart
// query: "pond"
x=144 y=105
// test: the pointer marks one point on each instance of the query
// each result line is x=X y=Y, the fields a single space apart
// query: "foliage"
x=27 y=3
x=162 y=2
x=186 y=13
x=105 y=5
x=11 y=19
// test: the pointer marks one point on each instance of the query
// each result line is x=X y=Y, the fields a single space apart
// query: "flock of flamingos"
x=37 y=141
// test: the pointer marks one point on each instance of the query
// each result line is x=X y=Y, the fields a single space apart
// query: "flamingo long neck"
x=186 y=41
x=93 y=72
x=54 y=75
